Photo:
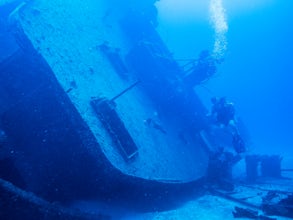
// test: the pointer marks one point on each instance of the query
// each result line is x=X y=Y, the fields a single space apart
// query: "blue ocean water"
x=253 y=39
x=257 y=71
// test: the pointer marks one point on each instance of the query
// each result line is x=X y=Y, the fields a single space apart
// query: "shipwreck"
x=93 y=103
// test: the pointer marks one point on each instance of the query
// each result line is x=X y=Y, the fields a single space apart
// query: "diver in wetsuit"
x=223 y=112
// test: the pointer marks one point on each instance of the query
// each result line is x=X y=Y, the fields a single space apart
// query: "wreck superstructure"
x=96 y=99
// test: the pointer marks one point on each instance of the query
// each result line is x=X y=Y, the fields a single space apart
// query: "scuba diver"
x=223 y=112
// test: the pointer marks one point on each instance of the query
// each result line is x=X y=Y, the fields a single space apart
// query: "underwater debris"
x=282 y=208
x=30 y=206
x=244 y=213
x=249 y=213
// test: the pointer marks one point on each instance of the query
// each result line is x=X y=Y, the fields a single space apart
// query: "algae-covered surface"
x=68 y=35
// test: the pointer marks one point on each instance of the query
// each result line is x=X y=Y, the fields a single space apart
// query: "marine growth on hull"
x=94 y=105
